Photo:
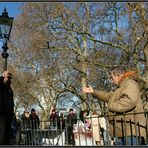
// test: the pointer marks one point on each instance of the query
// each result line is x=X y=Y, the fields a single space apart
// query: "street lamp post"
x=5 y=29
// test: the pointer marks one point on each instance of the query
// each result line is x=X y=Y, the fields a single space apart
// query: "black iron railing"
x=108 y=128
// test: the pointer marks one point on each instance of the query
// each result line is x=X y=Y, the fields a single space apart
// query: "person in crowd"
x=25 y=124
x=94 y=120
x=71 y=120
x=126 y=99
x=18 y=130
x=15 y=136
x=6 y=107
x=83 y=134
x=62 y=121
x=54 y=120
x=34 y=119
x=34 y=126
x=25 y=120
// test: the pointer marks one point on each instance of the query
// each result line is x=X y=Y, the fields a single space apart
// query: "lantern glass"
x=5 y=25
x=5 y=31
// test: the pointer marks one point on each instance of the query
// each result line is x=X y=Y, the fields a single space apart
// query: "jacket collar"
x=122 y=81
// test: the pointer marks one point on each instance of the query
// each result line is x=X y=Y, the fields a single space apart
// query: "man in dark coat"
x=6 y=107
x=34 y=119
x=26 y=127
x=34 y=125
x=71 y=120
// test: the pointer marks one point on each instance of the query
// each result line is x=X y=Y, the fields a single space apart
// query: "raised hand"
x=88 y=89
x=5 y=74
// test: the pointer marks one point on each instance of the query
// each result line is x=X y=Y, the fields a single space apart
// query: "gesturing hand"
x=88 y=89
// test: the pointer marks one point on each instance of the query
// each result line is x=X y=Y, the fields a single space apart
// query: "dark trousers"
x=2 y=129
x=8 y=129
x=5 y=128
x=132 y=140
x=70 y=136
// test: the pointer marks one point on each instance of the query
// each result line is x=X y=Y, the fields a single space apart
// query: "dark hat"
x=32 y=110
x=70 y=109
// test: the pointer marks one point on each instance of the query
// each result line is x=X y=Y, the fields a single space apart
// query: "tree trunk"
x=84 y=72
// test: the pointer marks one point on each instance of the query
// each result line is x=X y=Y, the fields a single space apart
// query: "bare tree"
x=65 y=46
